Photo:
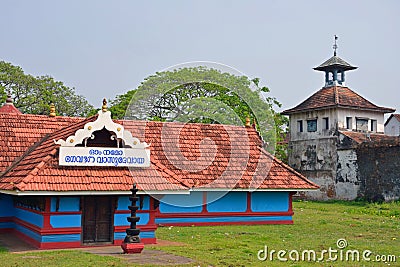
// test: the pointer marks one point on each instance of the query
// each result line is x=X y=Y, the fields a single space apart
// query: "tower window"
x=312 y=125
x=300 y=126
x=326 y=123
x=373 y=126
x=361 y=124
x=349 y=123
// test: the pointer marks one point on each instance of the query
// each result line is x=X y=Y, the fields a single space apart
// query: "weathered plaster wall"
x=347 y=179
x=316 y=159
x=379 y=166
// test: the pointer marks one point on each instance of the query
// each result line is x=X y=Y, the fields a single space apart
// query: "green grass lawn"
x=317 y=226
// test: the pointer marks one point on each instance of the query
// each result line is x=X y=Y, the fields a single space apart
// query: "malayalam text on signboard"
x=104 y=156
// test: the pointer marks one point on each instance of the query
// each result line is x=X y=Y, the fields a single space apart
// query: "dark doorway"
x=97 y=219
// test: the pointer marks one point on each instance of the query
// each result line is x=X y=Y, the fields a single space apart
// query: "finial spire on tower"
x=335 y=46
x=335 y=68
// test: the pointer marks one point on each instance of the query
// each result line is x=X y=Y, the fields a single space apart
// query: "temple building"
x=65 y=181
x=327 y=131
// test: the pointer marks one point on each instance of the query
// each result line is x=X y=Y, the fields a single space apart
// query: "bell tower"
x=335 y=69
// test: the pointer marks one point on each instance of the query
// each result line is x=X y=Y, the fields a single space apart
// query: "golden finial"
x=254 y=123
x=52 y=110
x=247 y=122
x=104 y=107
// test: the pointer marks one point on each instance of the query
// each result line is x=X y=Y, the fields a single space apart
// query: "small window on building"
x=326 y=123
x=312 y=125
x=373 y=126
x=300 y=126
x=349 y=123
x=362 y=124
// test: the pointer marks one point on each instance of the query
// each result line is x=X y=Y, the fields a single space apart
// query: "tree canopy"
x=205 y=95
x=35 y=94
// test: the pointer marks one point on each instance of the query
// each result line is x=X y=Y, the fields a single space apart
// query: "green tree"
x=35 y=94
x=205 y=95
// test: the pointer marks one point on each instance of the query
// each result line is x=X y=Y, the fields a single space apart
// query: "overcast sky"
x=105 y=48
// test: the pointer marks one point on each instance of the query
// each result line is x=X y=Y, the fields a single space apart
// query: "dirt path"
x=148 y=256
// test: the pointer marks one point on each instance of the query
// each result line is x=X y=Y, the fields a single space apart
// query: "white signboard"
x=104 y=156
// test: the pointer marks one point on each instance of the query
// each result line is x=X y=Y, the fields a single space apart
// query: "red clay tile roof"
x=396 y=116
x=359 y=137
x=18 y=132
x=336 y=96
x=183 y=156
x=9 y=108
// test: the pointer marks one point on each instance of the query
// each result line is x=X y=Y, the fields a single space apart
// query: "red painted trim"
x=248 y=202
x=30 y=210
x=146 y=241
x=204 y=208
x=6 y=230
x=47 y=231
x=47 y=205
x=65 y=231
x=222 y=214
x=57 y=245
x=46 y=215
x=144 y=228
x=63 y=213
x=152 y=219
x=27 y=239
x=227 y=223
x=291 y=201
x=6 y=219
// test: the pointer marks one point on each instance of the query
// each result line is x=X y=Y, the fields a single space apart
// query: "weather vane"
x=335 y=46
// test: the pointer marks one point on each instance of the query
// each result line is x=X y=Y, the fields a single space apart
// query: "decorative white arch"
x=103 y=121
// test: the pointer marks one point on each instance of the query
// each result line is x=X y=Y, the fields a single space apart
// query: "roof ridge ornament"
x=103 y=121
x=104 y=107
x=52 y=110
x=9 y=99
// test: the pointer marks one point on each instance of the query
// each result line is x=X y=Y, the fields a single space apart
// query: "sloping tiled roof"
x=19 y=131
x=359 y=137
x=9 y=108
x=396 y=116
x=336 y=96
x=183 y=156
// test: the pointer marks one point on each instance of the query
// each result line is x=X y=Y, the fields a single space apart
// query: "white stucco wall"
x=343 y=113
x=392 y=127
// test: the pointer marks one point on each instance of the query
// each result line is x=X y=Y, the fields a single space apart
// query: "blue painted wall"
x=28 y=232
x=65 y=204
x=6 y=206
x=124 y=202
x=269 y=201
x=121 y=235
x=61 y=221
x=182 y=203
x=120 y=219
x=30 y=217
x=61 y=238
x=230 y=202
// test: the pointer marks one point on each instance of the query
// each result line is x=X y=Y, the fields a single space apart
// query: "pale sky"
x=105 y=48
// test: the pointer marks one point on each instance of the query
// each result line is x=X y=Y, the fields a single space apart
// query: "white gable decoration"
x=133 y=154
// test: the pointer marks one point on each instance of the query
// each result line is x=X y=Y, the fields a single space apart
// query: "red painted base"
x=131 y=248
